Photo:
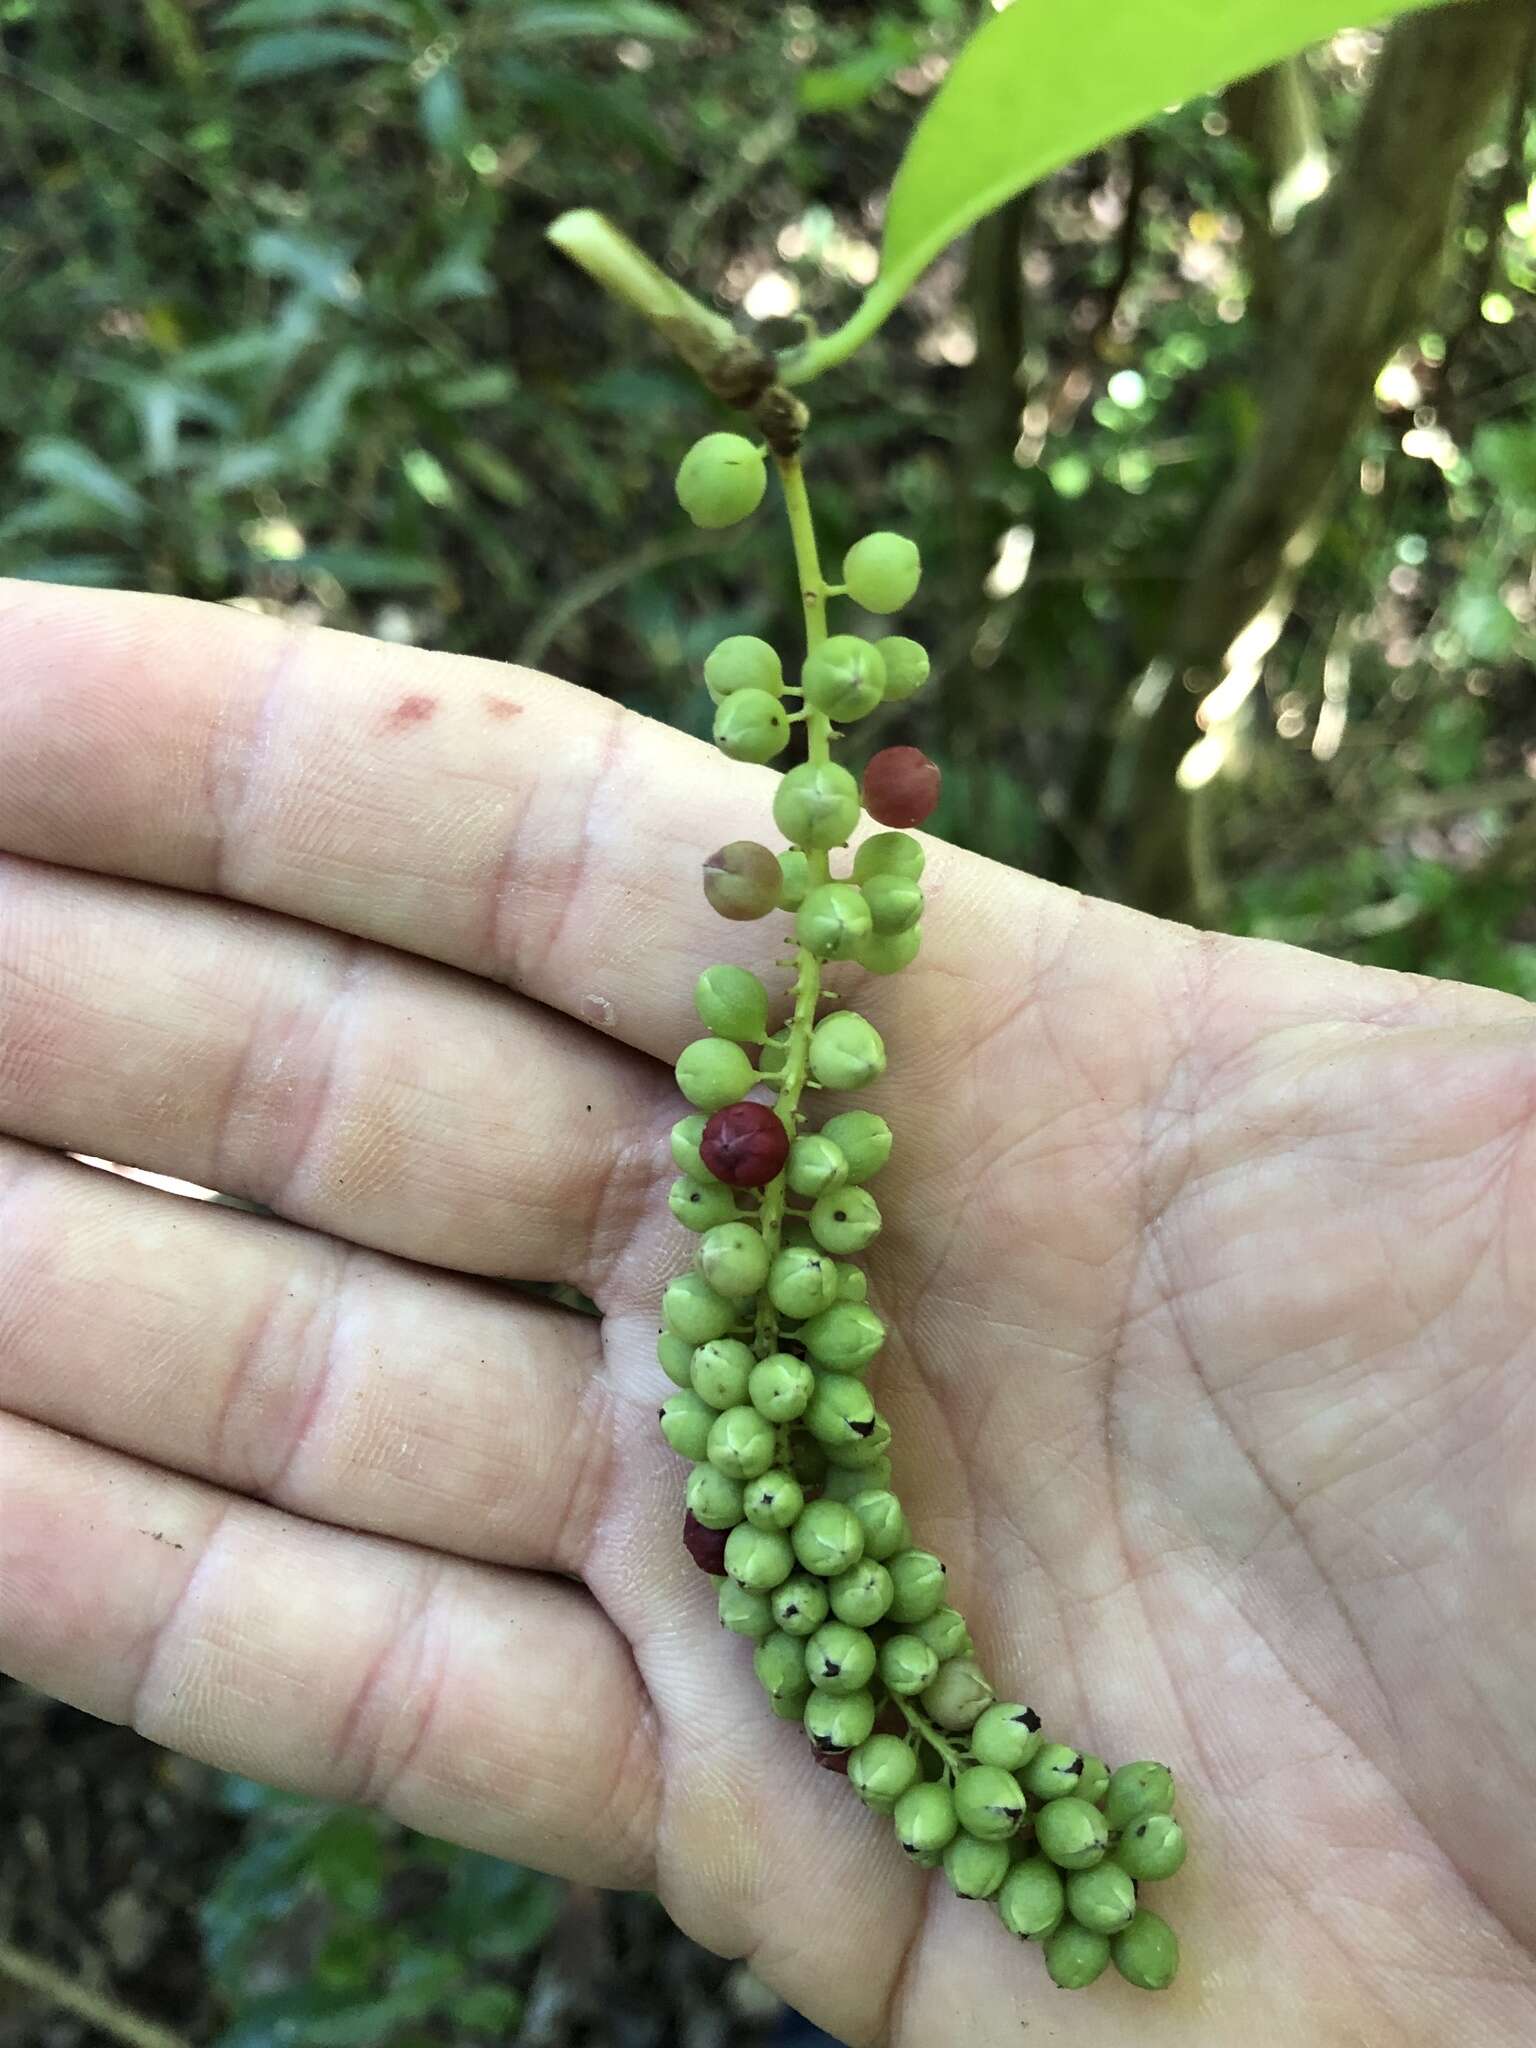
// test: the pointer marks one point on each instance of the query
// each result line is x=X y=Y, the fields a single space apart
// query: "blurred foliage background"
x=1221 y=451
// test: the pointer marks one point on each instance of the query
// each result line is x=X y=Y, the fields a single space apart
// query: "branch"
x=69 y=1996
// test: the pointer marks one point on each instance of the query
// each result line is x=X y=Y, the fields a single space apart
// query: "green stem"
x=920 y=1725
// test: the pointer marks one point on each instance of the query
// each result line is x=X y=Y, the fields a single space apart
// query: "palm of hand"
x=1210 y=1338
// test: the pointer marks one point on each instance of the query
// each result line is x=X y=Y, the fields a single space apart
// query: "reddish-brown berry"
x=745 y=1145
x=705 y=1546
x=743 y=880
x=901 y=786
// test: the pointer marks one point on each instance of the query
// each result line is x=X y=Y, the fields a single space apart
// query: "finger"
x=495 y=1708
x=336 y=1383
x=347 y=1086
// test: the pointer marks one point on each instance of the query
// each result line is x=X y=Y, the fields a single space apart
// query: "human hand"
x=1210 y=1357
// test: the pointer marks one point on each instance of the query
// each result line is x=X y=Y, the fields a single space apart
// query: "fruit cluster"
x=769 y=1336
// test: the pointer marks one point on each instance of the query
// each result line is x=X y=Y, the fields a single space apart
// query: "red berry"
x=901 y=786
x=705 y=1546
x=743 y=880
x=745 y=1145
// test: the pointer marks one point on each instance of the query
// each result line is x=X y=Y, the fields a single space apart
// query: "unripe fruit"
x=881 y=1770
x=720 y=1372
x=675 y=1359
x=774 y=1054
x=1006 y=1735
x=713 y=1499
x=792 y=1706
x=1075 y=1956
x=1053 y=1772
x=864 y=1140
x=901 y=786
x=733 y=1259
x=843 y=1482
x=1093 y=1780
x=1147 y=1953
x=732 y=1003
x=852 y=1283
x=699 y=1204
x=945 y=1633
x=839 y=1722
x=862 y=1594
x=1103 y=1899
x=906 y=667
x=832 y=920
x=907 y=1665
x=692 y=1310
x=959 y=1696
x=741 y=1443
x=888 y=853
x=846 y=1051
x=841 y=1410
x=779 y=1661
x=751 y=726
x=895 y=904
x=720 y=480
x=808 y=1462
x=976 y=1869
x=1152 y=1847
x=802 y=1282
x=705 y=1546
x=780 y=1387
x=846 y=1220
x=867 y=1448
x=713 y=1073
x=885 y=1527
x=743 y=662
x=800 y=1605
x=1072 y=1833
x=744 y=1613
x=759 y=1559
x=1032 y=1899
x=817 y=806
x=795 y=878
x=815 y=1164
x=744 y=1145
x=925 y=1819
x=889 y=952
x=1136 y=1790
x=881 y=571
x=827 y=1538
x=844 y=678
x=685 y=1423
x=773 y=1500
x=684 y=1141
x=989 y=1802
x=845 y=1337
x=920 y=1580
x=839 y=1659
x=742 y=880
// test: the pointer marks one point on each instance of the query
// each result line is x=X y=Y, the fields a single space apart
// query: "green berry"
x=989 y=1802
x=759 y=1559
x=919 y=1580
x=779 y=1661
x=712 y=1072
x=795 y=878
x=743 y=662
x=684 y=1140
x=817 y=805
x=751 y=726
x=895 y=904
x=1072 y=1833
x=802 y=1282
x=862 y=1452
x=839 y=1658
x=906 y=667
x=808 y=1462
x=861 y=1595
x=720 y=480
x=841 y=1410
x=888 y=853
x=700 y=1205
x=960 y=1695
x=815 y=1164
x=1152 y=1847
x=889 y=952
x=675 y=1358
x=907 y=1665
x=742 y=880
x=692 y=1310
x=884 y=1524
x=773 y=1500
x=844 y=678
x=741 y=1443
x=1032 y=1899
x=846 y=1052
x=1103 y=1898
x=800 y=1605
x=827 y=1538
x=832 y=920
x=1136 y=1790
x=732 y=1003
x=713 y=1498
x=686 y=1423
x=845 y=1337
x=721 y=1370
x=1006 y=1735
x=846 y=1220
x=842 y=1482
x=1075 y=1956
x=744 y=1613
x=839 y=1721
x=976 y=1869
x=881 y=1770
x=926 y=1822
x=881 y=570
x=780 y=1387
x=733 y=1259
x=774 y=1054
x=1053 y=1772
x=864 y=1140
x=792 y=1706
x=852 y=1283
x=945 y=1633
x=1093 y=1779
x=1147 y=1952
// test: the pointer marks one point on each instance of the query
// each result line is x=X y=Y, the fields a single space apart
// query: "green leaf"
x=102 y=570
x=444 y=119
x=369 y=568
x=488 y=2008
x=321 y=417
x=72 y=467
x=601 y=18
x=267 y=58
x=834 y=88
x=317 y=267
x=1041 y=83
x=280 y=13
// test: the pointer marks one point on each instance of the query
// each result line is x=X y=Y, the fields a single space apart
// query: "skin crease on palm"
x=1210 y=1367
